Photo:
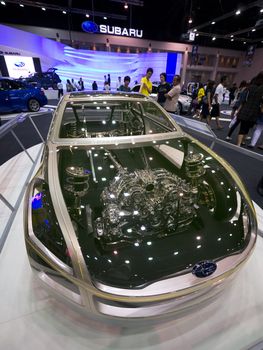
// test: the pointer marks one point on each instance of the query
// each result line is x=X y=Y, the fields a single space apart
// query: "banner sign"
x=249 y=55
x=92 y=27
x=194 y=55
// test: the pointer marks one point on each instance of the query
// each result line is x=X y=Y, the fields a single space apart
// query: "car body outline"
x=156 y=297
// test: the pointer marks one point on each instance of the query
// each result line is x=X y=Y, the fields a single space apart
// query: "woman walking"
x=249 y=111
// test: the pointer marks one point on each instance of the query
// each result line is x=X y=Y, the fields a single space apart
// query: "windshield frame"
x=59 y=113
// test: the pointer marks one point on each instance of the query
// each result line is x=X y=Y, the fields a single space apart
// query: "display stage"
x=31 y=318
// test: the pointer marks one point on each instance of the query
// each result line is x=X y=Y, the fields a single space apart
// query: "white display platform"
x=31 y=319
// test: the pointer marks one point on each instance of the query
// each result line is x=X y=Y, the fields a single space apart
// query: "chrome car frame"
x=157 y=298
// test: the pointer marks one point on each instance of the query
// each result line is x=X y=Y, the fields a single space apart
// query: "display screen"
x=19 y=66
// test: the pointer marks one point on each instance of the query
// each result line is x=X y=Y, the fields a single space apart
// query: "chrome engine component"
x=144 y=203
x=77 y=183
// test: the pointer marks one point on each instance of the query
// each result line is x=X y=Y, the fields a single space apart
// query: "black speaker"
x=37 y=65
x=3 y=67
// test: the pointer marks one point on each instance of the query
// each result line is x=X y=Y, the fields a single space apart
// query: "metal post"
x=34 y=125
x=6 y=202
x=21 y=145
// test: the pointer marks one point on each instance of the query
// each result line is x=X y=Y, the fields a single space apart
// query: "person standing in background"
x=106 y=86
x=162 y=89
x=240 y=98
x=200 y=95
x=69 y=86
x=125 y=87
x=60 y=89
x=257 y=133
x=146 y=84
x=217 y=101
x=94 y=85
x=207 y=101
x=109 y=80
x=74 y=85
x=232 y=93
x=81 y=84
x=250 y=110
x=173 y=95
x=118 y=84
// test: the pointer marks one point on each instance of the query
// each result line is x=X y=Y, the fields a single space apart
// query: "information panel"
x=19 y=66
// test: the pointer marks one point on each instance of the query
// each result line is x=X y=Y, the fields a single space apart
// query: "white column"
x=185 y=60
x=213 y=77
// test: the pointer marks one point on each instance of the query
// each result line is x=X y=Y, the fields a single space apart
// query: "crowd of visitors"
x=246 y=102
x=167 y=95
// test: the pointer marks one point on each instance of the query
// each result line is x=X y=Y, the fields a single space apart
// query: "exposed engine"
x=144 y=203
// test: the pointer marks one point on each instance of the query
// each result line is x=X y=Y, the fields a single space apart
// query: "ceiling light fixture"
x=43 y=9
x=253 y=30
x=197 y=34
x=105 y=17
x=21 y=5
x=126 y=6
x=3 y=3
x=232 y=36
x=214 y=38
x=213 y=22
x=244 y=42
x=190 y=20
x=87 y=15
x=232 y=39
x=261 y=11
x=195 y=30
x=64 y=12
x=238 y=12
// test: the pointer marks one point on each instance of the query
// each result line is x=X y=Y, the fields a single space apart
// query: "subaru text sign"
x=91 y=27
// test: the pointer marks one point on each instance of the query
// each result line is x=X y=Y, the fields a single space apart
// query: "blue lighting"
x=89 y=27
x=47 y=224
x=37 y=201
x=88 y=64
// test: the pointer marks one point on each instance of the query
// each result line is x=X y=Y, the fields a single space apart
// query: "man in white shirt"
x=217 y=101
x=172 y=96
x=60 y=89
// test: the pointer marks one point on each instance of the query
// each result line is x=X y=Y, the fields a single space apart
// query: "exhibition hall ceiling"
x=218 y=23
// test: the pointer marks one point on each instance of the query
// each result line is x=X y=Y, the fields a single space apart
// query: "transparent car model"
x=128 y=216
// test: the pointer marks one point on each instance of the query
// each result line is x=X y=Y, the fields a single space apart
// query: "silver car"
x=184 y=101
x=127 y=215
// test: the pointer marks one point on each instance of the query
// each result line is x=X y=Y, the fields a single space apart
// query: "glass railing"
x=21 y=143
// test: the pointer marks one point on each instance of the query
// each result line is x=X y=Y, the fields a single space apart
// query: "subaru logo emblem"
x=90 y=27
x=204 y=269
x=20 y=64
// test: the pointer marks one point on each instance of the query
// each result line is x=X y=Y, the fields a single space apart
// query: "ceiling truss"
x=67 y=9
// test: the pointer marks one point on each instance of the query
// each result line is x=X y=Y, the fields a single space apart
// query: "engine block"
x=144 y=203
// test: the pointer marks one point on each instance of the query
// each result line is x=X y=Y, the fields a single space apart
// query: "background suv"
x=45 y=79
